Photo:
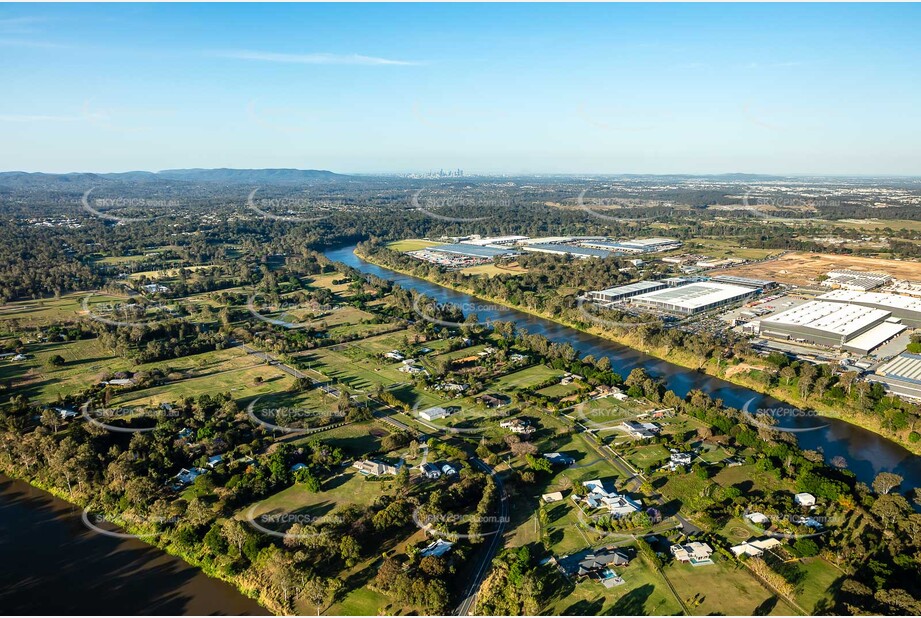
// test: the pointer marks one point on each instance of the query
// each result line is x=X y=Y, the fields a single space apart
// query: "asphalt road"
x=496 y=542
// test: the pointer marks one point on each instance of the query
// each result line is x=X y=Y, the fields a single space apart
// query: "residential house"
x=435 y=412
x=516 y=425
x=754 y=548
x=758 y=518
x=495 y=400
x=430 y=471
x=595 y=564
x=394 y=354
x=297 y=467
x=558 y=459
x=438 y=547
x=369 y=467
x=66 y=413
x=186 y=476
x=215 y=460
x=448 y=470
x=804 y=499
x=600 y=497
x=640 y=430
x=680 y=459
x=695 y=553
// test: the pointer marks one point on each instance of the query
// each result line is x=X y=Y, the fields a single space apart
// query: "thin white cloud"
x=20 y=25
x=35 y=118
x=32 y=44
x=358 y=59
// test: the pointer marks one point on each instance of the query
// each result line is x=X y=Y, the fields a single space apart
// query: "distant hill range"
x=221 y=176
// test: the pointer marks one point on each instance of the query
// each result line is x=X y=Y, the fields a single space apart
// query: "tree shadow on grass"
x=633 y=603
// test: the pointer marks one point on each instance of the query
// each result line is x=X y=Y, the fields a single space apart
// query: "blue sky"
x=811 y=89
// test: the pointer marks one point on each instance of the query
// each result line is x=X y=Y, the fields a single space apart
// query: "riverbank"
x=712 y=367
x=210 y=600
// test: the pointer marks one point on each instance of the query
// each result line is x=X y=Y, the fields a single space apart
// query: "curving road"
x=466 y=606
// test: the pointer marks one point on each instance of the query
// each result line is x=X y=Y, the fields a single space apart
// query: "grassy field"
x=816 y=587
x=751 y=480
x=527 y=378
x=642 y=457
x=879 y=224
x=168 y=273
x=412 y=244
x=558 y=391
x=84 y=363
x=326 y=281
x=723 y=588
x=348 y=487
x=225 y=371
x=38 y=313
x=355 y=440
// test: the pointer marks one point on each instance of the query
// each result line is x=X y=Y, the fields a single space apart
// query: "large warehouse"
x=694 y=298
x=902 y=375
x=573 y=250
x=626 y=291
x=851 y=327
x=638 y=245
x=472 y=250
x=907 y=309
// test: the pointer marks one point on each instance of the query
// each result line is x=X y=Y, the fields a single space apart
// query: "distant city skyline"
x=490 y=89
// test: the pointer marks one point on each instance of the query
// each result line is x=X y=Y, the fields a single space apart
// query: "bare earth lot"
x=803 y=268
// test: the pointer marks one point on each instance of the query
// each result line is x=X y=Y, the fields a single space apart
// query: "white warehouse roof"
x=832 y=318
x=695 y=295
x=873 y=298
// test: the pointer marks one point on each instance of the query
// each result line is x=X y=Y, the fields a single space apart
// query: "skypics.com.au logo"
x=293 y=209
x=434 y=312
x=597 y=315
x=435 y=205
x=262 y=311
x=287 y=419
x=107 y=208
x=135 y=311
x=295 y=525
x=95 y=522
x=592 y=206
x=766 y=418
x=128 y=417
x=447 y=525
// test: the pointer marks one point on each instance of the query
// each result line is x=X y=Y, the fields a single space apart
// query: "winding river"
x=52 y=564
x=865 y=452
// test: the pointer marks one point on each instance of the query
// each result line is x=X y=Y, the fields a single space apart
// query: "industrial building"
x=638 y=245
x=853 y=328
x=758 y=284
x=556 y=240
x=907 y=309
x=469 y=250
x=573 y=250
x=694 y=298
x=496 y=240
x=902 y=375
x=621 y=292
x=855 y=280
